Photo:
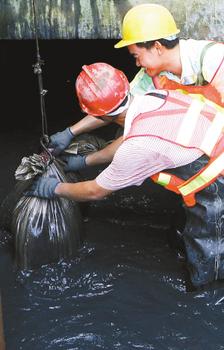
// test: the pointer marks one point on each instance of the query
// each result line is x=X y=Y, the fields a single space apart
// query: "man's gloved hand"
x=43 y=187
x=74 y=162
x=60 y=141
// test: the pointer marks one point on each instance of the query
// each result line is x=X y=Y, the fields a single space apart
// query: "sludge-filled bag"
x=44 y=230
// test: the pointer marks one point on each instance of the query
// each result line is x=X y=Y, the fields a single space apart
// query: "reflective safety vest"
x=191 y=122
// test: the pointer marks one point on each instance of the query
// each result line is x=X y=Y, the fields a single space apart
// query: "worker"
x=195 y=66
x=164 y=130
x=150 y=33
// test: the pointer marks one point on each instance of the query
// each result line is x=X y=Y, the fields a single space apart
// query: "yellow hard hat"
x=146 y=22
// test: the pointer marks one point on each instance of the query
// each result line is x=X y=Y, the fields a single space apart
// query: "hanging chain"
x=44 y=140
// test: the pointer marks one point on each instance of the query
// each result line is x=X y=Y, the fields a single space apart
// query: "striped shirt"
x=138 y=158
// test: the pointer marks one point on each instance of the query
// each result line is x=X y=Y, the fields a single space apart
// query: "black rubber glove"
x=60 y=141
x=74 y=162
x=43 y=187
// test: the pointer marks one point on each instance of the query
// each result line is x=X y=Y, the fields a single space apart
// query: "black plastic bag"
x=44 y=230
x=86 y=143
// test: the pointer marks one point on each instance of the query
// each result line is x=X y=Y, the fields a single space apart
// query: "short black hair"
x=169 y=44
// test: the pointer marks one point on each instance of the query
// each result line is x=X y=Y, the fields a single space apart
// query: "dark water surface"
x=127 y=289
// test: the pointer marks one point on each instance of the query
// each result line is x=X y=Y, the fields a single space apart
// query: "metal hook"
x=44 y=141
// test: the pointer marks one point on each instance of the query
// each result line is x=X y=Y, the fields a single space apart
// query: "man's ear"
x=159 y=47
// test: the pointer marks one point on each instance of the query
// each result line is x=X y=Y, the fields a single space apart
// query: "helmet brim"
x=123 y=43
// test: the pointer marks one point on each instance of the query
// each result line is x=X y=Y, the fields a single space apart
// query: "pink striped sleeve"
x=132 y=164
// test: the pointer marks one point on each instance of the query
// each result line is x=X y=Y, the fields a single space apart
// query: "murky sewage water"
x=126 y=290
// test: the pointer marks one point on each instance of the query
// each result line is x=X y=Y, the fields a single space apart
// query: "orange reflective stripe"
x=209 y=138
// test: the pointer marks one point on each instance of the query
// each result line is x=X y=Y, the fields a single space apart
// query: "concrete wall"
x=101 y=19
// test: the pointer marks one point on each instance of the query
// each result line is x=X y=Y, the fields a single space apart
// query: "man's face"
x=150 y=59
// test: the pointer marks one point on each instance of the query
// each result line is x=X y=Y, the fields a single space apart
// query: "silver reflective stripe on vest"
x=163 y=179
x=189 y=123
x=210 y=173
x=213 y=133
